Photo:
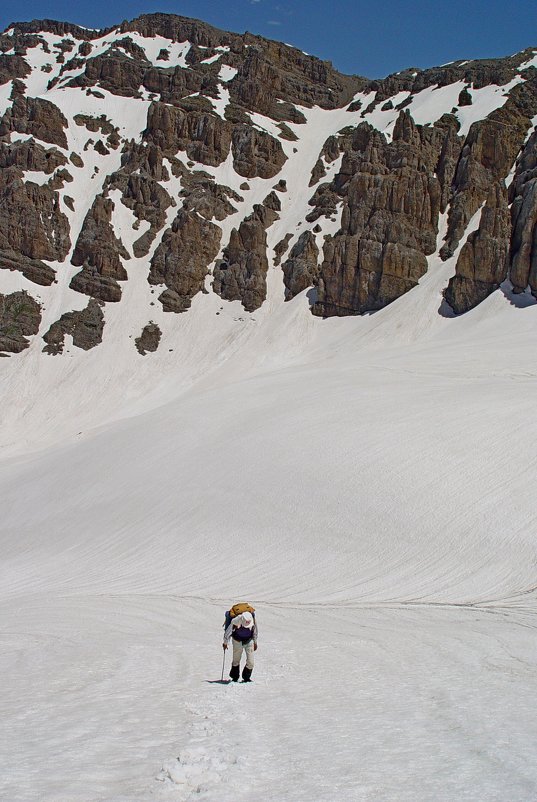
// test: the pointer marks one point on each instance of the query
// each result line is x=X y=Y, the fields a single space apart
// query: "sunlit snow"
x=368 y=483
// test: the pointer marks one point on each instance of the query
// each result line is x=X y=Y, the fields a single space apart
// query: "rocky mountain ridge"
x=201 y=160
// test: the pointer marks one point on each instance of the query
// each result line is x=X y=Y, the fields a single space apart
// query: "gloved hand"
x=224 y=646
x=255 y=647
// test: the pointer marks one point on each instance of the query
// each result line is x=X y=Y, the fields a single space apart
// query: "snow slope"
x=367 y=482
x=369 y=485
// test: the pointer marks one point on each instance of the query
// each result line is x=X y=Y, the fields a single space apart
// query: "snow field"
x=116 y=699
x=368 y=483
x=373 y=498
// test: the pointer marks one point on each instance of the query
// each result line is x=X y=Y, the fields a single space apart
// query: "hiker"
x=243 y=631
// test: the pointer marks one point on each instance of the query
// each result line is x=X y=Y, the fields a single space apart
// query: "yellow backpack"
x=241 y=607
x=238 y=609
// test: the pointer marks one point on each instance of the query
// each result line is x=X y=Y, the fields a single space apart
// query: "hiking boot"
x=234 y=673
x=246 y=674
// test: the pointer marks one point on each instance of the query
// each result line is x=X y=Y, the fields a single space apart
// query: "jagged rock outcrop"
x=482 y=263
x=209 y=99
x=488 y=155
x=273 y=202
x=211 y=200
x=329 y=153
x=206 y=138
x=281 y=248
x=268 y=72
x=113 y=71
x=36 y=117
x=148 y=201
x=13 y=67
x=32 y=227
x=523 y=195
x=138 y=180
x=241 y=275
x=33 y=269
x=100 y=124
x=188 y=89
x=465 y=98
x=449 y=156
x=301 y=269
x=487 y=158
x=20 y=316
x=391 y=202
x=149 y=339
x=256 y=153
x=273 y=78
x=85 y=327
x=182 y=259
x=475 y=73
x=99 y=252
x=30 y=155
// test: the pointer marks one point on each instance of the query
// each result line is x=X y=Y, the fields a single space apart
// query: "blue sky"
x=371 y=39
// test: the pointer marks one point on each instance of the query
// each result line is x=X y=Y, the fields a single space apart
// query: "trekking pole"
x=223 y=662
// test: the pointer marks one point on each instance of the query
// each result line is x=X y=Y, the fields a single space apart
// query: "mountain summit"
x=199 y=161
x=269 y=336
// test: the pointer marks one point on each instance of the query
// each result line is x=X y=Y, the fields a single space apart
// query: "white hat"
x=247 y=620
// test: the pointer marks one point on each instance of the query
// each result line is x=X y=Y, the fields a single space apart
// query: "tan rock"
x=256 y=153
x=390 y=196
x=302 y=267
x=482 y=263
x=85 y=327
x=99 y=252
x=523 y=253
x=182 y=259
x=37 y=117
x=20 y=316
x=206 y=138
x=241 y=274
x=149 y=339
x=32 y=227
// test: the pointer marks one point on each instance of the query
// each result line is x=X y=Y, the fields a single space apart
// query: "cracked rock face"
x=99 y=253
x=149 y=339
x=523 y=194
x=482 y=263
x=256 y=153
x=32 y=227
x=487 y=157
x=36 y=117
x=138 y=180
x=85 y=327
x=301 y=269
x=206 y=138
x=20 y=316
x=13 y=67
x=209 y=109
x=391 y=197
x=182 y=259
x=203 y=195
x=241 y=275
x=30 y=155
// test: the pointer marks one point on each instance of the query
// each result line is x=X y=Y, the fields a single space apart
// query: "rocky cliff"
x=191 y=162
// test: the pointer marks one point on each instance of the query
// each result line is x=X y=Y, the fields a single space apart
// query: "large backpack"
x=238 y=609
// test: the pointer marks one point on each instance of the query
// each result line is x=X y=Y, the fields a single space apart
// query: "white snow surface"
x=368 y=483
x=532 y=62
x=5 y=92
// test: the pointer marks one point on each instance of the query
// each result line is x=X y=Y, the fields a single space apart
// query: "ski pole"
x=223 y=662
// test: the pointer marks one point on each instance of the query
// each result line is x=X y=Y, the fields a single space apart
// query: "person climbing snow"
x=243 y=631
